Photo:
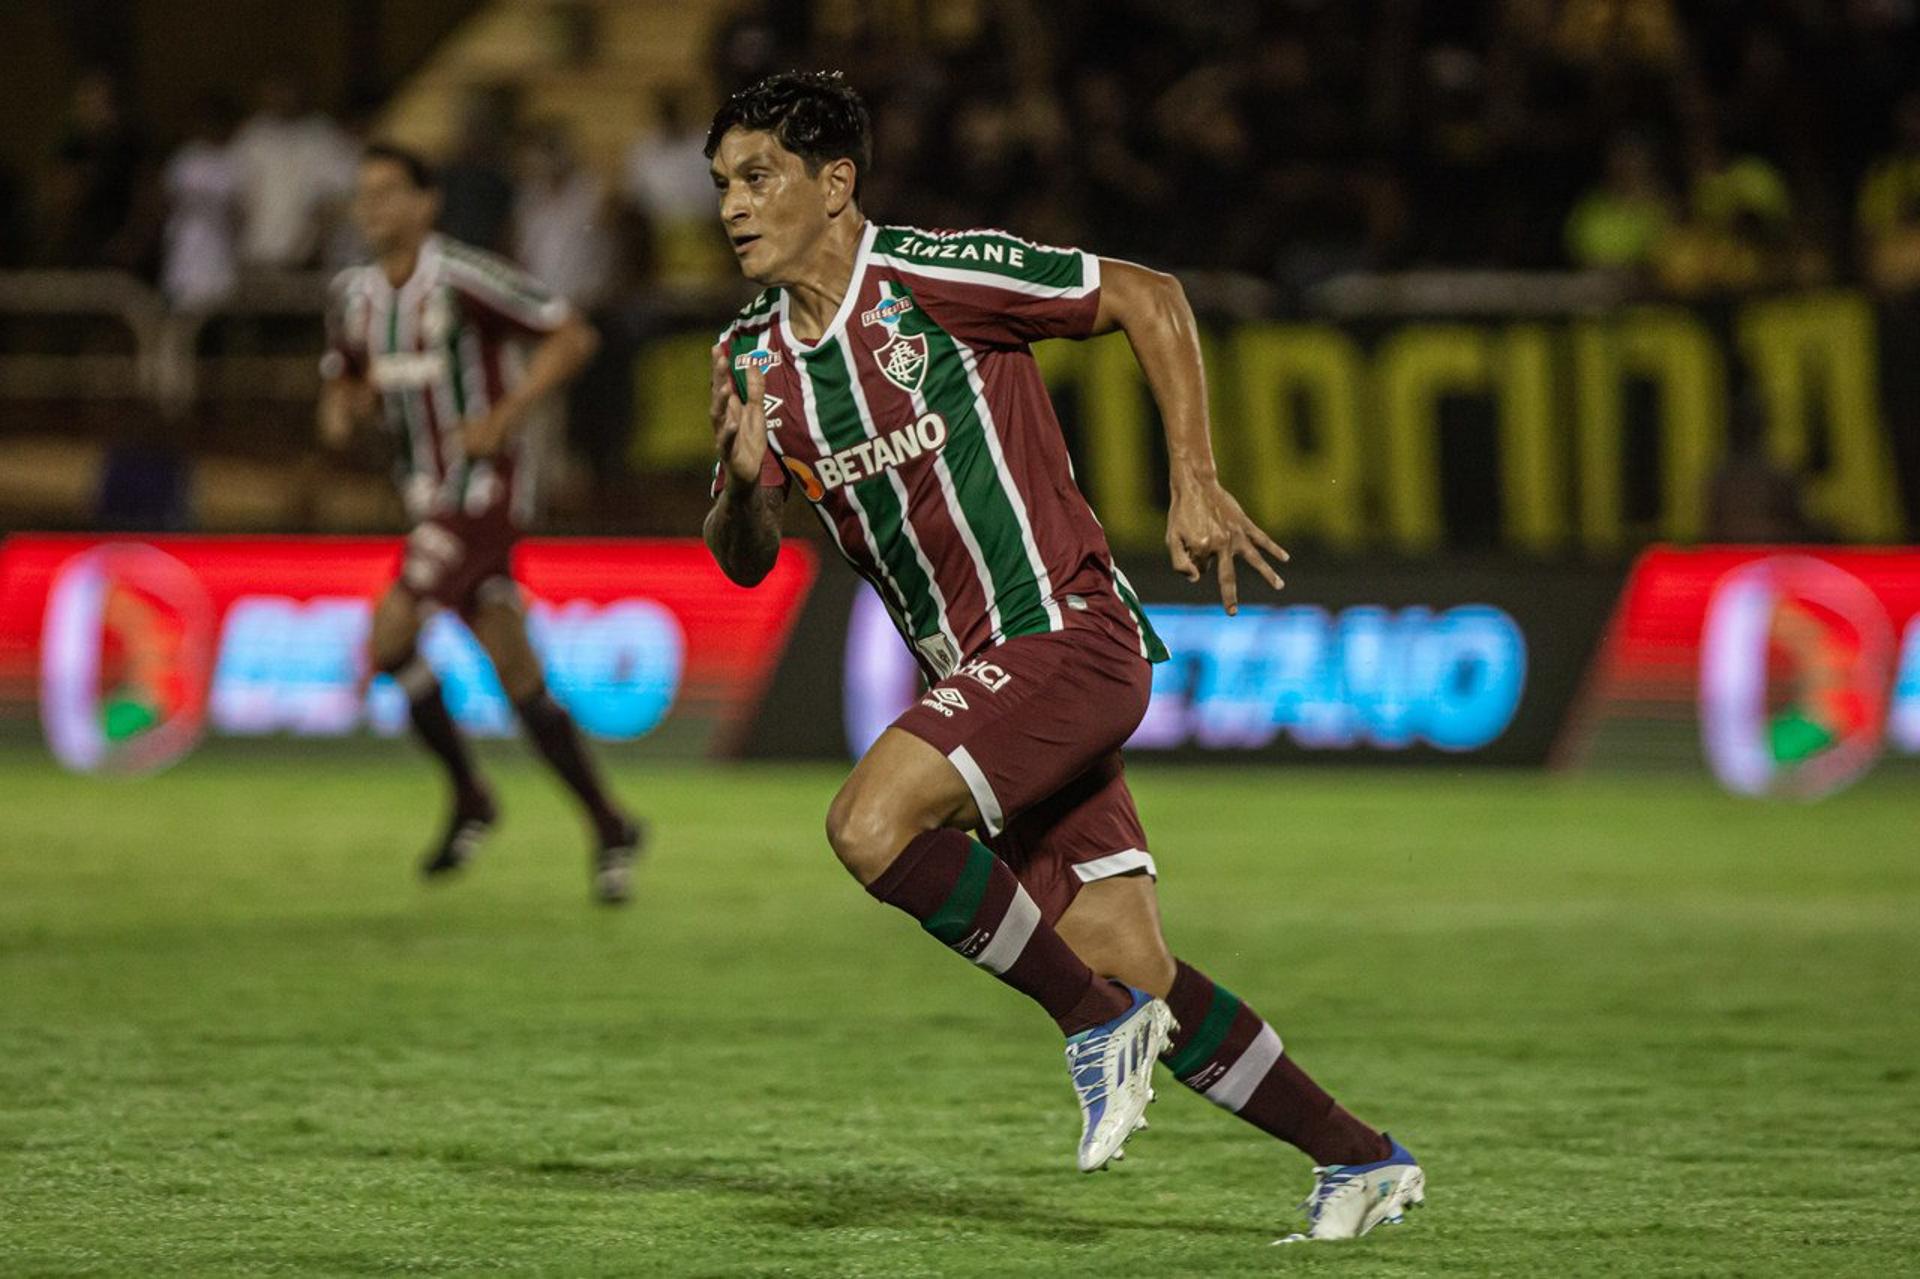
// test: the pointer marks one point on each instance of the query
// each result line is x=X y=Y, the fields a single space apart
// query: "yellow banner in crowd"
x=1334 y=433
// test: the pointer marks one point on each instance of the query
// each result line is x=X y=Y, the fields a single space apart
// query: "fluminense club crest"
x=904 y=360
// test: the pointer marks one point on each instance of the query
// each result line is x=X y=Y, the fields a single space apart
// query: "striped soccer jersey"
x=920 y=431
x=442 y=349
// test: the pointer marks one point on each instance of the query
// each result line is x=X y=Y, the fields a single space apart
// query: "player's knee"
x=387 y=654
x=865 y=836
x=519 y=679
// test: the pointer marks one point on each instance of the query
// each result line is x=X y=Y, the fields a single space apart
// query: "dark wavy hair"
x=814 y=114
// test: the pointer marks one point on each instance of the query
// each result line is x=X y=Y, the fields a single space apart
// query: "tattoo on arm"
x=743 y=532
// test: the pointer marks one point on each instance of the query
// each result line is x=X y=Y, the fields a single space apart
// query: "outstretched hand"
x=1207 y=530
x=739 y=428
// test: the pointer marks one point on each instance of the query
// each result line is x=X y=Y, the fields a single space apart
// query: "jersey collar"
x=425 y=267
x=847 y=303
x=426 y=264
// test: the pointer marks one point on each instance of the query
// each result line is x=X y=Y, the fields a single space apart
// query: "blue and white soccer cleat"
x=1112 y=1069
x=1350 y=1199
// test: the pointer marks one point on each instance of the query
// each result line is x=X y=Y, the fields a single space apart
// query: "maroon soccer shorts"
x=459 y=560
x=1035 y=728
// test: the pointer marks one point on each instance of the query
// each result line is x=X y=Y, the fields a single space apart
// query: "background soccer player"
x=452 y=348
x=886 y=373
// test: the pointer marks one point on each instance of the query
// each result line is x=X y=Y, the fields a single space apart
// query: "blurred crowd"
x=1700 y=146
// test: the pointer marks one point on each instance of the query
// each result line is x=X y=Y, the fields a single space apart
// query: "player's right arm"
x=347 y=395
x=345 y=402
x=743 y=528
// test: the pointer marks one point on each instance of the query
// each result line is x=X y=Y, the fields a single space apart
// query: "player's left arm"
x=1206 y=529
x=557 y=359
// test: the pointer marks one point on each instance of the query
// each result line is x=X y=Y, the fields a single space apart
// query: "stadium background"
x=1572 y=346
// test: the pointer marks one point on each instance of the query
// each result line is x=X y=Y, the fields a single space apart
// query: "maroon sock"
x=435 y=728
x=969 y=899
x=1227 y=1054
x=555 y=736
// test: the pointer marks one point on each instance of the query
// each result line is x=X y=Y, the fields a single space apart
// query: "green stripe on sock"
x=1207 y=1040
x=954 y=919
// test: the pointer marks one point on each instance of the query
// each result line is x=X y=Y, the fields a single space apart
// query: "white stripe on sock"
x=983 y=795
x=1235 y=1088
x=1016 y=927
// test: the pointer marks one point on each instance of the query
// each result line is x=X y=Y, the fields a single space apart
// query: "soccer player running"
x=452 y=348
x=885 y=372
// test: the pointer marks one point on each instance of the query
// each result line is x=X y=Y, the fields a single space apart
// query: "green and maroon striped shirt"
x=919 y=429
x=441 y=349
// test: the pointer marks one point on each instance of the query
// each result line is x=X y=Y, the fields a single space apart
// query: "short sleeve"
x=499 y=296
x=994 y=288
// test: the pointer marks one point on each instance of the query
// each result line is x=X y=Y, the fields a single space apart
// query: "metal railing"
x=167 y=367
x=248 y=375
x=163 y=366
x=84 y=375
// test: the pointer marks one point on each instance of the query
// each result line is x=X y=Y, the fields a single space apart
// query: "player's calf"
x=971 y=901
x=1228 y=1054
x=433 y=725
x=1114 y=924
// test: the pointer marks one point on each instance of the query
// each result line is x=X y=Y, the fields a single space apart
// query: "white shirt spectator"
x=202 y=183
x=562 y=239
x=294 y=172
x=667 y=178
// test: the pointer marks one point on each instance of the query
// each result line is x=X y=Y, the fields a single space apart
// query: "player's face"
x=389 y=210
x=773 y=211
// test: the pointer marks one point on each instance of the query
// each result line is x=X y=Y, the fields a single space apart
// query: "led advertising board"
x=1356 y=662
x=130 y=650
x=1785 y=670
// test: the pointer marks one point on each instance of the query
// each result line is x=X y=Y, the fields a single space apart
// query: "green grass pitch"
x=1632 y=1026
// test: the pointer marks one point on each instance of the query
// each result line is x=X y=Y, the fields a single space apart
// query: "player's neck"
x=398 y=264
x=821 y=285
